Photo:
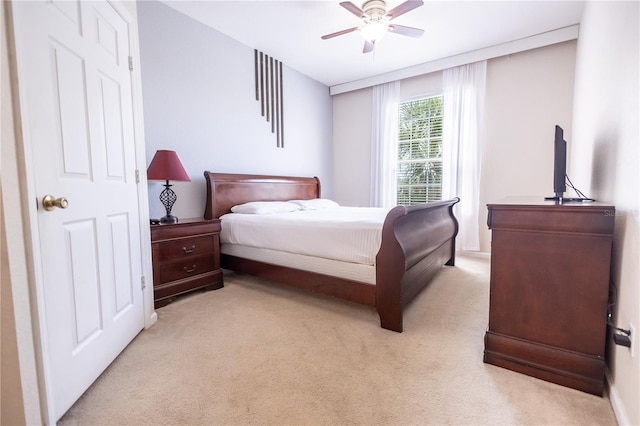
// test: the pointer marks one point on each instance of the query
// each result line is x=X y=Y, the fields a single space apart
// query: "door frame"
x=28 y=304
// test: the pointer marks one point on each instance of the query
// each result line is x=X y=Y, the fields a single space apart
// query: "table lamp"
x=167 y=166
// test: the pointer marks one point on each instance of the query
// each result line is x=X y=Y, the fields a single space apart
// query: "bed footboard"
x=416 y=242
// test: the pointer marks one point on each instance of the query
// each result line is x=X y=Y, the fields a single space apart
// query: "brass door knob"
x=49 y=202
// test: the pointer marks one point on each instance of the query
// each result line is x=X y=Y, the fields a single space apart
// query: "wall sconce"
x=167 y=166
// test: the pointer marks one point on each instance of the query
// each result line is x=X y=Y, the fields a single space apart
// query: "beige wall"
x=606 y=157
x=527 y=94
x=352 y=148
x=422 y=85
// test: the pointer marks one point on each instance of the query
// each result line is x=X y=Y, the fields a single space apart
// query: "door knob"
x=49 y=203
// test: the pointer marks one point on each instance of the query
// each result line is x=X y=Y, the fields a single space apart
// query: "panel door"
x=77 y=123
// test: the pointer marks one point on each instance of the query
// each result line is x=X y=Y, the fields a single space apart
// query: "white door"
x=77 y=123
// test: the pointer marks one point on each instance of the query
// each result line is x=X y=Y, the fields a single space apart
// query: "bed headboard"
x=225 y=190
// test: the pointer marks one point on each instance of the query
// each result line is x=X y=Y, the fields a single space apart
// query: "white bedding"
x=348 y=234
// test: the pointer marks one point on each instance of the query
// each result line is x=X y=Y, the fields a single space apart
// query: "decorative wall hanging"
x=268 y=85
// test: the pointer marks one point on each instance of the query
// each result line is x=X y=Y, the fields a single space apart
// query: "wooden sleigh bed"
x=416 y=242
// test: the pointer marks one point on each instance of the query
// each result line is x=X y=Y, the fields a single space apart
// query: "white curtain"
x=463 y=105
x=384 y=144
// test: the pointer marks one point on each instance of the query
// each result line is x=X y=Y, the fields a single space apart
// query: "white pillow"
x=315 y=204
x=265 y=207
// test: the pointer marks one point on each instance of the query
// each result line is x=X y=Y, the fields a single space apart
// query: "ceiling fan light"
x=374 y=31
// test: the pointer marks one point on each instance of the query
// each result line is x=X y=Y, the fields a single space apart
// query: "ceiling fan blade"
x=403 y=8
x=350 y=30
x=406 y=31
x=352 y=8
x=368 y=47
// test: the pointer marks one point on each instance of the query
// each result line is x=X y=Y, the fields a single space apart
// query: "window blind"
x=419 y=171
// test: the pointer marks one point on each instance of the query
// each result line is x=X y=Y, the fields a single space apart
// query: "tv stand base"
x=569 y=200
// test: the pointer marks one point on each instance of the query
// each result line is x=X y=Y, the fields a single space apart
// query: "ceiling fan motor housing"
x=374 y=9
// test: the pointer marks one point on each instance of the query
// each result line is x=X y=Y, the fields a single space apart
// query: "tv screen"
x=559 y=164
x=560 y=178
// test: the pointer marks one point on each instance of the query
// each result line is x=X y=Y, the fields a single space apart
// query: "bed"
x=415 y=243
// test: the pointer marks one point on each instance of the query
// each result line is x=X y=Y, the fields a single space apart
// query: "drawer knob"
x=189 y=270
x=189 y=250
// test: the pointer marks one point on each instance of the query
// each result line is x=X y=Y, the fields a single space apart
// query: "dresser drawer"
x=569 y=218
x=186 y=247
x=177 y=270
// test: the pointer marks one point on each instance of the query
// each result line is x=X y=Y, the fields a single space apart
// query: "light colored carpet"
x=258 y=353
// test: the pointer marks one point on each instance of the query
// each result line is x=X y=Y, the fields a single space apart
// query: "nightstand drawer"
x=167 y=292
x=177 y=270
x=187 y=247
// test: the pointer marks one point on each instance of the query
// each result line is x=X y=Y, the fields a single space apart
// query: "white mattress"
x=335 y=268
x=346 y=234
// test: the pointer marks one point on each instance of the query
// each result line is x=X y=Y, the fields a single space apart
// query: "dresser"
x=186 y=257
x=549 y=290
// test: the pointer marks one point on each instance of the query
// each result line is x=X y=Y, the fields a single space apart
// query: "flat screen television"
x=560 y=177
x=559 y=164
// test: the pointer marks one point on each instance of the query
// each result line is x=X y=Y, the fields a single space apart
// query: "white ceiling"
x=290 y=31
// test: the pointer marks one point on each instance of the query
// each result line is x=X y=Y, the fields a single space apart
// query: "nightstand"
x=186 y=257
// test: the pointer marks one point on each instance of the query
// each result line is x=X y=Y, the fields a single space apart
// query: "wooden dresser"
x=186 y=257
x=549 y=288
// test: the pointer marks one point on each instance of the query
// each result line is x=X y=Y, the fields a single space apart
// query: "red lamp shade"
x=166 y=166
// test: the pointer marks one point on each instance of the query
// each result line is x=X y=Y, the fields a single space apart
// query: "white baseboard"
x=474 y=253
x=616 y=403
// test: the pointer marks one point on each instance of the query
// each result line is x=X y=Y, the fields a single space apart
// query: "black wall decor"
x=268 y=85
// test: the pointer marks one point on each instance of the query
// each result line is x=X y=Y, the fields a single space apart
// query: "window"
x=419 y=178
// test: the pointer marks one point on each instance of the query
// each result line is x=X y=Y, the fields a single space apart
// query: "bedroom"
x=224 y=144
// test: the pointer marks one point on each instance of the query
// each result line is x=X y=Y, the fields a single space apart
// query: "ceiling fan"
x=376 y=21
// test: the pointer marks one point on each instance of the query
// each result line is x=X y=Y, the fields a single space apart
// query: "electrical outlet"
x=634 y=339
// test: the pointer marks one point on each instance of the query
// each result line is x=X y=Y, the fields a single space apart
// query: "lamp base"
x=169 y=219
